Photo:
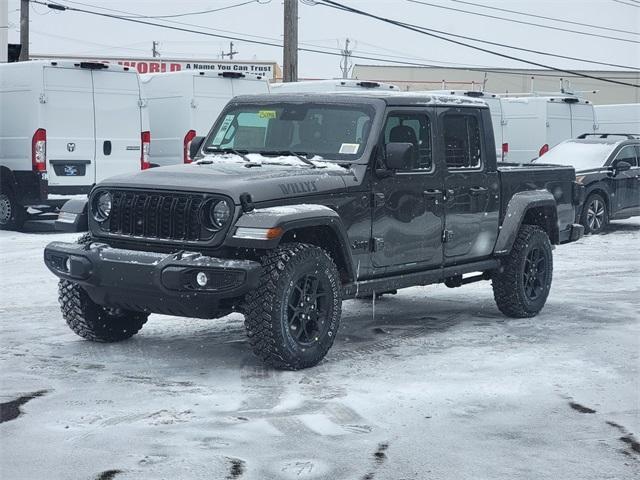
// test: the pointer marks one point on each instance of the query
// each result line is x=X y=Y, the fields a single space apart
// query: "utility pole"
x=290 y=53
x=24 y=31
x=154 y=49
x=345 y=63
x=4 y=31
x=231 y=53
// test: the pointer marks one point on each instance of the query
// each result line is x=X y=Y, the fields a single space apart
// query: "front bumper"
x=154 y=282
x=574 y=232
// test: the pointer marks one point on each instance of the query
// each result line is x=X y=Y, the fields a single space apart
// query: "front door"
x=625 y=184
x=471 y=185
x=407 y=206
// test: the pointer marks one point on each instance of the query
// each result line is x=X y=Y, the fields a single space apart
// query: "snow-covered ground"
x=439 y=385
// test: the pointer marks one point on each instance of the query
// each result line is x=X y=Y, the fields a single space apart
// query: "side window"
x=462 y=141
x=627 y=154
x=412 y=128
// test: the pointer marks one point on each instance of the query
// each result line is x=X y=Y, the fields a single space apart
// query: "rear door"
x=67 y=114
x=407 y=207
x=582 y=119
x=210 y=97
x=558 y=123
x=470 y=185
x=117 y=123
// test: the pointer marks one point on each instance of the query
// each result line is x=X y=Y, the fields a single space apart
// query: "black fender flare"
x=517 y=209
x=289 y=218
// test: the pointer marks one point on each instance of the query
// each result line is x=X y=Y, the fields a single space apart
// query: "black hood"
x=231 y=176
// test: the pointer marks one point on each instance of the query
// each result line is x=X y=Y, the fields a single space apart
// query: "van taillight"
x=144 y=150
x=186 y=157
x=544 y=149
x=505 y=148
x=39 y=151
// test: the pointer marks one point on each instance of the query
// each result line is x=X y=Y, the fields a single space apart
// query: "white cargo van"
x=319 y=86
x=65 y=126
x=184 y=104
x=622 y=118
x=533 y=125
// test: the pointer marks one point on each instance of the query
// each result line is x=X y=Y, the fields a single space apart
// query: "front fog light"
x=67 y=264
x=202 y=279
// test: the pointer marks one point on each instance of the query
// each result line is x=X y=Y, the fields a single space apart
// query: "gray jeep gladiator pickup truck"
x=297 y=202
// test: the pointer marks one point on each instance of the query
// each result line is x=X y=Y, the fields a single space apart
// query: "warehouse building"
x=506 y=80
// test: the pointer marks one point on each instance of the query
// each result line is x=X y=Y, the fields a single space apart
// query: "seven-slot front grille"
x=166 y=216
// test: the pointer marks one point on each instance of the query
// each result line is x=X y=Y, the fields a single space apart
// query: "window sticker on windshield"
x=349 y=148
x=224 y=128
x=267 y=114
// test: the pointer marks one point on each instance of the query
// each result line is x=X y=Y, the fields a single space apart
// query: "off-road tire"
x=591 y=202
x=265 y=308
x=509 y=282
x=12 y=215
x=95 y=322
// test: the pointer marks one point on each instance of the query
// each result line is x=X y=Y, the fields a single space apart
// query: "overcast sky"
x=321 y=27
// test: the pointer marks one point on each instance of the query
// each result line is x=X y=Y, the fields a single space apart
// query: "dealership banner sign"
x=263 y=69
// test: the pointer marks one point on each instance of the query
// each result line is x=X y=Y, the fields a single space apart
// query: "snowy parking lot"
x=432 y=383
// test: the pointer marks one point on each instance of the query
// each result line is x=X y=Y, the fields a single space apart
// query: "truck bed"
x=557 y=179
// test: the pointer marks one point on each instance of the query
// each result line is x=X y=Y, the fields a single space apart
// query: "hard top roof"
x=392 y=98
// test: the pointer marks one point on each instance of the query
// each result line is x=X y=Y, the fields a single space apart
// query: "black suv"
x=297 y=202
x=608 y=165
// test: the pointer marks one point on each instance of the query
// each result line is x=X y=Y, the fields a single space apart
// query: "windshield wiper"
x=240 y=153
x=299 y=155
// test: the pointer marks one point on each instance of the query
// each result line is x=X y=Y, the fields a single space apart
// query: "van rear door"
x=582 y=119
x=558 y=123
x=67 y=117
x=210 y=96
x=117 y=122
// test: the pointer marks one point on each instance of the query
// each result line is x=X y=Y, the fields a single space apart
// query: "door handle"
x=432 y=193
x=477 y=190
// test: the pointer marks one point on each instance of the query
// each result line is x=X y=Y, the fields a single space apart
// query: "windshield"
x=335 y=132
x=581 y=156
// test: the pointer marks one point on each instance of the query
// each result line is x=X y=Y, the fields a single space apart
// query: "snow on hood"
x=258 y=159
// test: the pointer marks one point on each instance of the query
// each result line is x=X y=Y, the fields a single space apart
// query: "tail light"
x=145 y=138
x=186 y=157
x=39 y=151
x=544 y=149
x=505 y=148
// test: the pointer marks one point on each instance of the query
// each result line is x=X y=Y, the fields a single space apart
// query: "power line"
x=175 y=22
x=522 y=49
x=310 y=50
x=538 y=52
x=527 y=14
x=634 y=4
x=340 y=6
x=201 y=12
x=522 y=22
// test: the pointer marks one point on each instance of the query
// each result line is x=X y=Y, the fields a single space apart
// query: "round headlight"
x=102 y=206
x=220 y=213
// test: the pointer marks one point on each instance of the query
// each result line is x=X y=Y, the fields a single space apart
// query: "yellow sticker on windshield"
x=267 y=114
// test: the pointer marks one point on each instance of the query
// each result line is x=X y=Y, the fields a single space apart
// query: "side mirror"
x=196 y=143
x=399 y=155
x=621 y=166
